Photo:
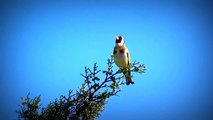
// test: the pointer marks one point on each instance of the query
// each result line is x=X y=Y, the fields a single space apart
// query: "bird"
x=122 y=58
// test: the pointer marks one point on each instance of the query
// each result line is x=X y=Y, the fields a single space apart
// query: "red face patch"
x=118 y=39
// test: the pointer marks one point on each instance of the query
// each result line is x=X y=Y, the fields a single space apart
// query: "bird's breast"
x=121 y=59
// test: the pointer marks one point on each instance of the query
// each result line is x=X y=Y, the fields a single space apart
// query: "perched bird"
x=122 y=58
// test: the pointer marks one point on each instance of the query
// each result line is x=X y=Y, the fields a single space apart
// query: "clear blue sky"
x=45 y=45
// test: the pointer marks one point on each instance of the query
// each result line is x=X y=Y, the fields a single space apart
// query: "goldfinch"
x=122 y=58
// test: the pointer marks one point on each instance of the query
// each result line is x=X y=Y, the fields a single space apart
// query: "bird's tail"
x=128 y=77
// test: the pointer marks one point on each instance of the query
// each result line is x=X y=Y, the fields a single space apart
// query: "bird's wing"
x=128 y=58
x=114 y=51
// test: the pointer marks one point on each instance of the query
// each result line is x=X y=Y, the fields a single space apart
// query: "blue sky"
x=45 y=46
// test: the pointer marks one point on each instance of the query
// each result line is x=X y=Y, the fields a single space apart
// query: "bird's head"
x=119 y=41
